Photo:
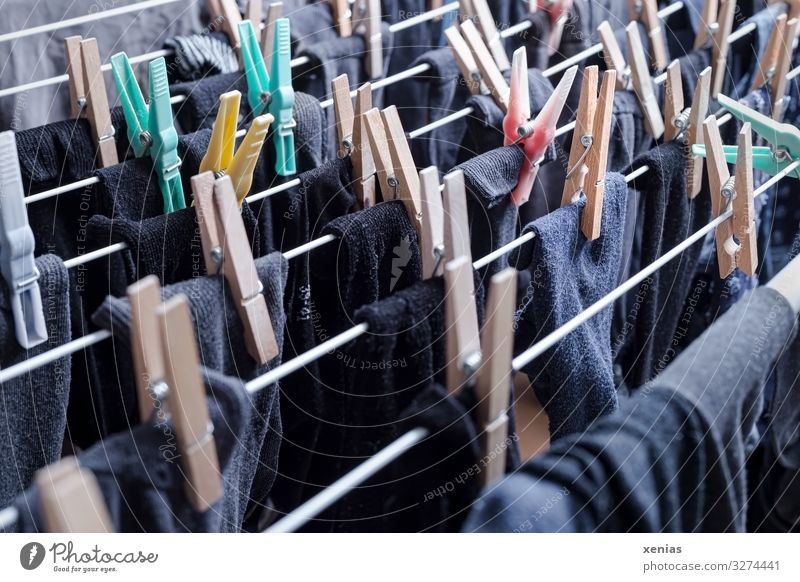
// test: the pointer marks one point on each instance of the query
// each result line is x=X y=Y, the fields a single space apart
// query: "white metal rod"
x=557 y=335
x=94 y=255
x=61 y=190
x=424 y=17
x=408 y=73
x=339 y=488
x=440 y=122
x=50 y=356
x=309 y=246
x=264 y=194
x=305 y=358
x=91 y=17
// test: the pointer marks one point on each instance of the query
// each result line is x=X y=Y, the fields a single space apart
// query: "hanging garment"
x=197 y=56
x=33 y=407
x=140 y=476
x=679 y=444
x=220 y=338
x=644 y=341
x=573 y=380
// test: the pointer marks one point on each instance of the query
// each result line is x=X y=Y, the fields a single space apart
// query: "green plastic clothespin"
x=150 y=126
x=785 y=140
x=272 y=93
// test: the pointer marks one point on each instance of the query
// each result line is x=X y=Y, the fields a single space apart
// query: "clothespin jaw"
x=367 y=22
x=342 y=17
x=708 y=23
x=17 y=245
x=228 y=11
x=405 y=171
x=226 y=248
x=150 y=126
x=782 y=64
x=691 y=122
x=673 y=101
x=767 y=64
x=490 y=73
x=274 y=13
x=783 y=137
x=364 y=178
x=466 y=62
x=186 y=402
x=597 y=159
x=345 y=116
x=144 y=297
x=493 y=380
x=646 y=11
x=87 y=90
x=744 y=221
x=379 y=148
x=463 y=343
x=643 y=83
x=71 y=500
x=582 y=136
x=272 y=92
x=612 y=55
x=252 y=11
x=481 y=13
x=431 y=242
x=721 y=45
x=457 y=241
x=533 y=135
x=558 y=10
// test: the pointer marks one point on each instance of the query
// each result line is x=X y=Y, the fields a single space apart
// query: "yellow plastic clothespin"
x=220 y=158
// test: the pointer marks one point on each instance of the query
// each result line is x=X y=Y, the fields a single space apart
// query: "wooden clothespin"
x=691 y=122
x=708 y=23
x=493 y=380
x=720 y=45
x=220 y=157
x=589 y=154
x=782 y=64
x=457 y=241
x=367 y=22
x=228 y=12
x=739 y=192
x=342 y=17
x=71 y=500
x=252 y=12
x=479 y=12
x=431 y=243
x=465 y=60
x=642 y=83
x=396 y=170
x=612 y=55
x=186 y=403
x=87 y=92
x=490 y=73
x=144 y=297
x=461 y=317
x=226 y=248
x=352 y=137
x=768 y=63
x=646 y=11
x=274 y=13
x=673 y=101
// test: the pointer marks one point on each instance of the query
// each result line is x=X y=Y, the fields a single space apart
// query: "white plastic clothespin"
x=16 y=250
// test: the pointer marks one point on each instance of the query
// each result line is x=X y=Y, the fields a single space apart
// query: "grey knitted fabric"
x=140 y=474
x=33 y=407
x=220 y=337
x=573 y=379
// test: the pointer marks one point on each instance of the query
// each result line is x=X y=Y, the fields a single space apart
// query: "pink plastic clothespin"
x=534 y=135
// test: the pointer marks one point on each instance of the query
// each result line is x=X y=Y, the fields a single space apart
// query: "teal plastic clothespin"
x=785 y=140
x=150 y=126
x=272 y=93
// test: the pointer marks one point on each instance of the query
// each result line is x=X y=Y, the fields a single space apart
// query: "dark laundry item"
x=33 y=407
x=573 y=380
x=331 y=58
x=197 y=56
x=745 y=54
x=290 y=219
x=485 y=123
x=220 y=337
x=535 y=39
x=441 y=91
x=493 y=217
x=679 y=445
x=140 y=476
x=643 y=343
